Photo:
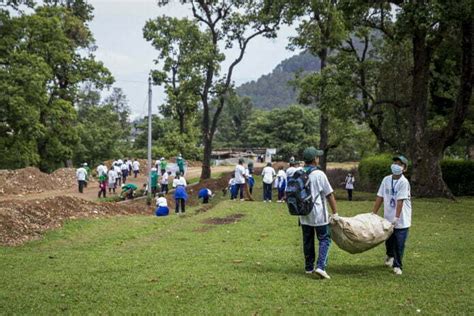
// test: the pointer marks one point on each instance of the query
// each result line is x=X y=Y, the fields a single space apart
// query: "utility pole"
x=149 y=139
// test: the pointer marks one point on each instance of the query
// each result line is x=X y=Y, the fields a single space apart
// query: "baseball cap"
x=310 y=153
x=402 y=159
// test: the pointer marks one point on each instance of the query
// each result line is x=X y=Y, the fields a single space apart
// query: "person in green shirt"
x=163 y=165
x=180 y=162
x=154 y=181
x=85 y=166
x=128 y=190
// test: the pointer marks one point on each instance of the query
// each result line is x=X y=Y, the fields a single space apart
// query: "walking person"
x=112 y=177
x=118 y=172
x=395 y=194
x=180 y=195
x=136 y=168
x=81 y=175
x=349 y=185
x=316 y=223
x=101 y=169
x=88 y=170
x=239 y=177
x=281 y=184
x=154 y=181
x=102 y=186
x=163 y=165
x=124 y=168
x=181 y=164
x=268 y=175
x=164 y=182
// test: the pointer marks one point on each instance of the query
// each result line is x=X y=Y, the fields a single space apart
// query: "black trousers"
x=164 y=188
x=183 y=205
x=103 y=192
x=241 y=188
x=81 y=184
x=349 y=194
x=205 y=200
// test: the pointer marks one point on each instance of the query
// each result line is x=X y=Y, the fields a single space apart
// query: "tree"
x=321 y=30
x=119 y=103
x=229 y=24
x=180 y=43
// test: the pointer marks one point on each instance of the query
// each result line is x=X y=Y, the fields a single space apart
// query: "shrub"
x=459 y=176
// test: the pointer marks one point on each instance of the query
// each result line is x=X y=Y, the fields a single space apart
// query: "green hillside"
x=274 y=90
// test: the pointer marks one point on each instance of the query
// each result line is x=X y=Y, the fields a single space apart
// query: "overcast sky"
x=117 y=28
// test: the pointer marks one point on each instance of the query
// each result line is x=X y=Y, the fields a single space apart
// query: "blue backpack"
x=298 y=193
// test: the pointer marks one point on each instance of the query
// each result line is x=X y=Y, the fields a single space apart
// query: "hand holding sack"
x=361 y=232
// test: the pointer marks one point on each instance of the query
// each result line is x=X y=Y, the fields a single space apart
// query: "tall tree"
x=320 y=31
x=229 y=24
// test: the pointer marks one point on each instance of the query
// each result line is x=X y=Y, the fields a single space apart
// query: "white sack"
x=361 y=232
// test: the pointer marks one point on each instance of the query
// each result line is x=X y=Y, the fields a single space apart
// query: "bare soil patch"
x=234 y=218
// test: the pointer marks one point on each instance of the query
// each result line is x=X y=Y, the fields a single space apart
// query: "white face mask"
x=396 y=169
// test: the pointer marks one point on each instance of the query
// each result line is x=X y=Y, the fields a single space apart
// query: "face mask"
x=396 y=169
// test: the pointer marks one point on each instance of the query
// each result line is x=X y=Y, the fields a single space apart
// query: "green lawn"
x=177 y=265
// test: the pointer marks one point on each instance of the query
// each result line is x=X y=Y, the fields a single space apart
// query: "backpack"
x=298 y=193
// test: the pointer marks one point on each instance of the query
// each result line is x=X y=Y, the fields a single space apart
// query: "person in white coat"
x=112 y=176
x=81 y=175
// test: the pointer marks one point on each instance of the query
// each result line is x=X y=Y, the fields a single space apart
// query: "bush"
x=458 y=174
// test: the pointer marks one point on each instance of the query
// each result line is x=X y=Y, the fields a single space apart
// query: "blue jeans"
x=267 y=191
x=324 y=237
x=395 y=246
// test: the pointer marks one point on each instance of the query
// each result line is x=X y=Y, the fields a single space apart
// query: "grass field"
x=253 y=265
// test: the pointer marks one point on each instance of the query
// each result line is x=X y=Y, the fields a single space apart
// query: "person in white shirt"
x=101 y=169
x=118 y=172
x=268 y=175
x=164 y=182
x=349 y=185
x=136 y=167
x=317 y=221
x=112 y=176
x=81 y=175
x=180 y=194
x=161 y=205
x=124 y=168
x=291 y=170
x=395 y=194
x=239 y=177
x=281 y=182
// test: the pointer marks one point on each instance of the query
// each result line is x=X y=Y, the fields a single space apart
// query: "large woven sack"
x=361 y=232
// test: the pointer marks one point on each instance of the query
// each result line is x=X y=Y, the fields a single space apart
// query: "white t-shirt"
x=81 y=174
x=290 y=171
x=239 y=174
x=164 y=178
x=231 y=181
x=350 y=183
x=161 y=201
x=180 y=181
x=136 y=165
x=268 y=174
x=112 y=176
x=320 y=188
x=396 y=190
x=118 y=171
x=101 y=169
x=124 y=167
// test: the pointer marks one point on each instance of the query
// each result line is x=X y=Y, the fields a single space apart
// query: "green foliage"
x=372 y=170
x=459 y=176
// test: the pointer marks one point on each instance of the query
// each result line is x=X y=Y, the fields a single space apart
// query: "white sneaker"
x=242 y=200
x=388 y=261
x=322 y=274
x=264 y=201
x=309 y=272
x=269 y=201
x=397 y=271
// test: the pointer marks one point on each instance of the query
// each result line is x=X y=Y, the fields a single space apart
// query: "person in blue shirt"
x=180 y=194
x=205 y=194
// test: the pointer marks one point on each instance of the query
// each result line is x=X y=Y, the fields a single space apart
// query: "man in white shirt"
x=291 y=169
x=164 y=182
x=395 y=194
x=118 y=172
x=112 y=176
x=101 y=169
x=240 y=178
x=317 y=221
x=81 y=175
x=268 y=175
x=136 y=167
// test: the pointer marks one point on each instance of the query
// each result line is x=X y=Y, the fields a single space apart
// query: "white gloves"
x=395 y=221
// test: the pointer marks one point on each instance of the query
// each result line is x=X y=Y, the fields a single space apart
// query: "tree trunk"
x=181 y=123
x=206 y=161
x=324 y=121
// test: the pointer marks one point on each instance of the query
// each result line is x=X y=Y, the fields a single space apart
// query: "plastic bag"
x=361 y=232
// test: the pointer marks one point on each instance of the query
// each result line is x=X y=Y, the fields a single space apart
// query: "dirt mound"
x=21 y=221
x=234 y=218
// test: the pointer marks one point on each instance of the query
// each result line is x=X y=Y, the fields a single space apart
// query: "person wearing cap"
x=81 y=175
x=317 y=221
x=395 y=194
x=268 y=175
x=180 y=162
x=163 y=165
x=239 y=178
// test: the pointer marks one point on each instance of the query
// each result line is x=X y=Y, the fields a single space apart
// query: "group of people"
x=116 y=177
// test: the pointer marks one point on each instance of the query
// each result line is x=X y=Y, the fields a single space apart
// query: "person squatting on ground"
x=112 y=175
x=317 y=221
x=349 y=185
x=281 y=184
x=161 y=205
x=240 y=178
x=395 y=194
x=128 y=191
x=180 y=194
x=81 y=175
x=102 y=186
x=268 y=175
x=205 y=194
x=164 y=182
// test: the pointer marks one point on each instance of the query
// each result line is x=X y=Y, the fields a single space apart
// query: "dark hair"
x=161 y=195
x=269 y=164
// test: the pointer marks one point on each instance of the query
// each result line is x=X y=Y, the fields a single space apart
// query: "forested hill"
x=274 y=90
